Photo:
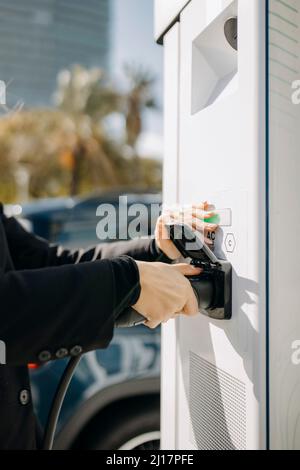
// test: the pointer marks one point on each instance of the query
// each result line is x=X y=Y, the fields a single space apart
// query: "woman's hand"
x=194 y=216
x=165 y=292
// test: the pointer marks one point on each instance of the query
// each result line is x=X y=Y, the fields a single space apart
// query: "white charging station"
x=232 y=135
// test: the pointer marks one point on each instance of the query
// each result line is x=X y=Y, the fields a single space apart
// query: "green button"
x=216 y=219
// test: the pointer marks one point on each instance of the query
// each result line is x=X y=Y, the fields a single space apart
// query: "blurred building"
x=38 y=38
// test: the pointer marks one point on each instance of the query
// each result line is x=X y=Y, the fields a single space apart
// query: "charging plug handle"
x=213 y=289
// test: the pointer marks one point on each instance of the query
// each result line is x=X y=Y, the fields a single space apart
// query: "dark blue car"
x=114 y=398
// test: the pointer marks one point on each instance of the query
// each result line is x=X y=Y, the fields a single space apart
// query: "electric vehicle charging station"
x=232 y=136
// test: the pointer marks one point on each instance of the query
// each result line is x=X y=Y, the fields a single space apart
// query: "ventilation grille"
x=217 y=407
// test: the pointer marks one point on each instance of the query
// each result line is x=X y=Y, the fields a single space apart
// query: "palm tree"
x=139 y=97
x=86 y=98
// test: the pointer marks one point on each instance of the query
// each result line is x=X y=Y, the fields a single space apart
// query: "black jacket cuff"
x=157 y=254
x=127 y=284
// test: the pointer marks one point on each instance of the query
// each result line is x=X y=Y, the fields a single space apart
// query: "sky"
x=133 y=42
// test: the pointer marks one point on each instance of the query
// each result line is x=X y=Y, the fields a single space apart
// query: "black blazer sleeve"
x=54 y=300
x=50 y=309
x=31 y=252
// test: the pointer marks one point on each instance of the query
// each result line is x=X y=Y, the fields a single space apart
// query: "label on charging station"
x=222 y=217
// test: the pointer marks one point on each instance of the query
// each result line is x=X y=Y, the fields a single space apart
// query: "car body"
x=72 y=222
x=113 y=399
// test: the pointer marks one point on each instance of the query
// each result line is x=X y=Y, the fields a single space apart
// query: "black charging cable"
x=58 y=402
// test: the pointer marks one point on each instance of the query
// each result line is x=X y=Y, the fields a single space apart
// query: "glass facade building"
x=38 y=38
